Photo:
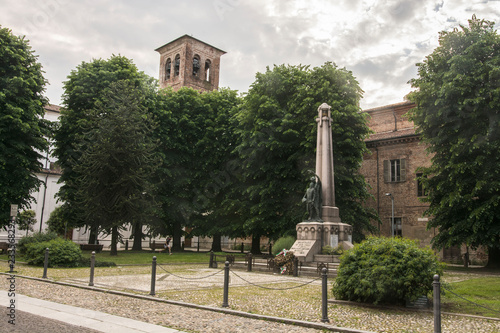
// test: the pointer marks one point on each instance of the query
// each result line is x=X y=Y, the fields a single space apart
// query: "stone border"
x=287 y=321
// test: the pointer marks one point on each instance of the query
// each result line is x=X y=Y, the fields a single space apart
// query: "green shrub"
x=37 y=237
x=386 y=270
x=332 y=250
x=283 y=243
x=62 y=253
x=85 y=262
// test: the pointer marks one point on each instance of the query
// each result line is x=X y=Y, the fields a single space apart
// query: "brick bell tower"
x=189 y=62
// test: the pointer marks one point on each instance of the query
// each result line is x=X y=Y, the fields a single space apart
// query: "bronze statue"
x=313 y=199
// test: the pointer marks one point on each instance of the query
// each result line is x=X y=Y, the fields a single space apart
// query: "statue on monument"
x=313 y=199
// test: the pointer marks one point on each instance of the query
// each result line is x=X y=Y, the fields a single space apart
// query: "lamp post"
x=392 y=216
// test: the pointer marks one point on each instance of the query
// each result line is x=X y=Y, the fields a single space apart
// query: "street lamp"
x=392 y=223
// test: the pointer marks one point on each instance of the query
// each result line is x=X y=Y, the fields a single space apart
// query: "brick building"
x=189 y=62
x=391 y=168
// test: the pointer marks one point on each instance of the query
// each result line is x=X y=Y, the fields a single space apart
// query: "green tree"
x=116 y=162
x=83 y=93
x=26 y=220
x=457 y=113
x=23 y=131
x=57 y=222
x=278 y=138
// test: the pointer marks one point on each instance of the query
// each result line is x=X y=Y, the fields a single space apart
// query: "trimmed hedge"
x=62 y=253
x=386 y=270
x=283 y=243
x=37 y=237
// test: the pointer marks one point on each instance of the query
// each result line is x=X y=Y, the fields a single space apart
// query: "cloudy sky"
x=380 y=41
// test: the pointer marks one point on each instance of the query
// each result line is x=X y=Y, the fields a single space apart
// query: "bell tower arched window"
x=177 y=65
x=196 y=65
x=168 y=68
x=207 y=70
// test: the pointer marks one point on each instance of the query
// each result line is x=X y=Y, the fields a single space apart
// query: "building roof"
x=405 y=132
x=390 y=106
x=191 y=37
x=52 y=107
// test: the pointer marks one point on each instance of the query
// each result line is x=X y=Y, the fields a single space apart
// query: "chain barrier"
x=191 y=278
x=287 y=288
x=465 y=299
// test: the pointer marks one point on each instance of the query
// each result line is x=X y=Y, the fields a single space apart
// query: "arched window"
x=207 y=70
x=196 y=65
x=168 y=68
x=177 y=65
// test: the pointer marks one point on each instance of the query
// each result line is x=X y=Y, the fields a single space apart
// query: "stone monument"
x=323 y=226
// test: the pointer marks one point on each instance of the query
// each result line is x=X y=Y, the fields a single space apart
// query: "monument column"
x=324 y=164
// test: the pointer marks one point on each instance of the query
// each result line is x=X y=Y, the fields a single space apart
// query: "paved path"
x=35 y=315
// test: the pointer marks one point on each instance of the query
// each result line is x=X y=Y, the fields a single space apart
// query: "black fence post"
x=225 y=303
x=211 y=262
x=437 y=304
x=153 y=276
x=198 y=245
x=45 y=263
x=126 y=245
x=324 y=296
x=249 y=267
x=92 y=265
x=295 y=266
x=242 y=247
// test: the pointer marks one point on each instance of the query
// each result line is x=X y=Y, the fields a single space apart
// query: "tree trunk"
x=216 y=243
x=114 y=241
x=137 y=246
x=93 y=235
x=176 y=237
x=493 y=257
x=255 y=244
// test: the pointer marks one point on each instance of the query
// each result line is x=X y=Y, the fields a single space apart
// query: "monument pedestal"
x=312 y=236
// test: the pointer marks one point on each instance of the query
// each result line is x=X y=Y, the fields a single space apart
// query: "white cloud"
x=378 y=40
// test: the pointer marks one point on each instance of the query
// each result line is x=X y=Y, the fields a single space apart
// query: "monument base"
x=312 y=236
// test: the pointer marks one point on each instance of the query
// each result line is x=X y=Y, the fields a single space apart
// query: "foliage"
x=57 y=221
x=386 y=270
x=62 y=253
x=86 y=92
x=117 y=159
x=24 y=132
x=282 y=244
x=338 y=250
x=278 y=137
x=26 y=220
x=37 y=237
x=457 y=113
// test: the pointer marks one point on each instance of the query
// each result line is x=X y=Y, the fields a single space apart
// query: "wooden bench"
x=4 y=246
x=91 y=247
x=157 y=246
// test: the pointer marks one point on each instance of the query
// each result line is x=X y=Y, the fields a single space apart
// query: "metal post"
x=324 y=296
x=211 y=262
x=295 y=266
x=249 y=267
x=45 y=263
x=225 y=303
x=153 y=277
x=242 y=247
x=92 y=265
x=126 y=245
x=198 y=245
x=437 y=304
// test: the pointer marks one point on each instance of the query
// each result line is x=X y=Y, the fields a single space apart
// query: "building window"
x=196 y=65
x=168 y=68
x=207 y=70
x=398 y=227
x=177 y=65
x=421 y=191
x=395 y=170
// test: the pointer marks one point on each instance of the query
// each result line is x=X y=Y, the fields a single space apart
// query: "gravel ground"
x=243 y=297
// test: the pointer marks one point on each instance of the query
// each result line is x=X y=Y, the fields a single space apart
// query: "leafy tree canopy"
x=23 y=132
x=457 y=112
x=278 y=138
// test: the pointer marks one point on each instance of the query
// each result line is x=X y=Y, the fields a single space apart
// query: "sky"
x=380 y=42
